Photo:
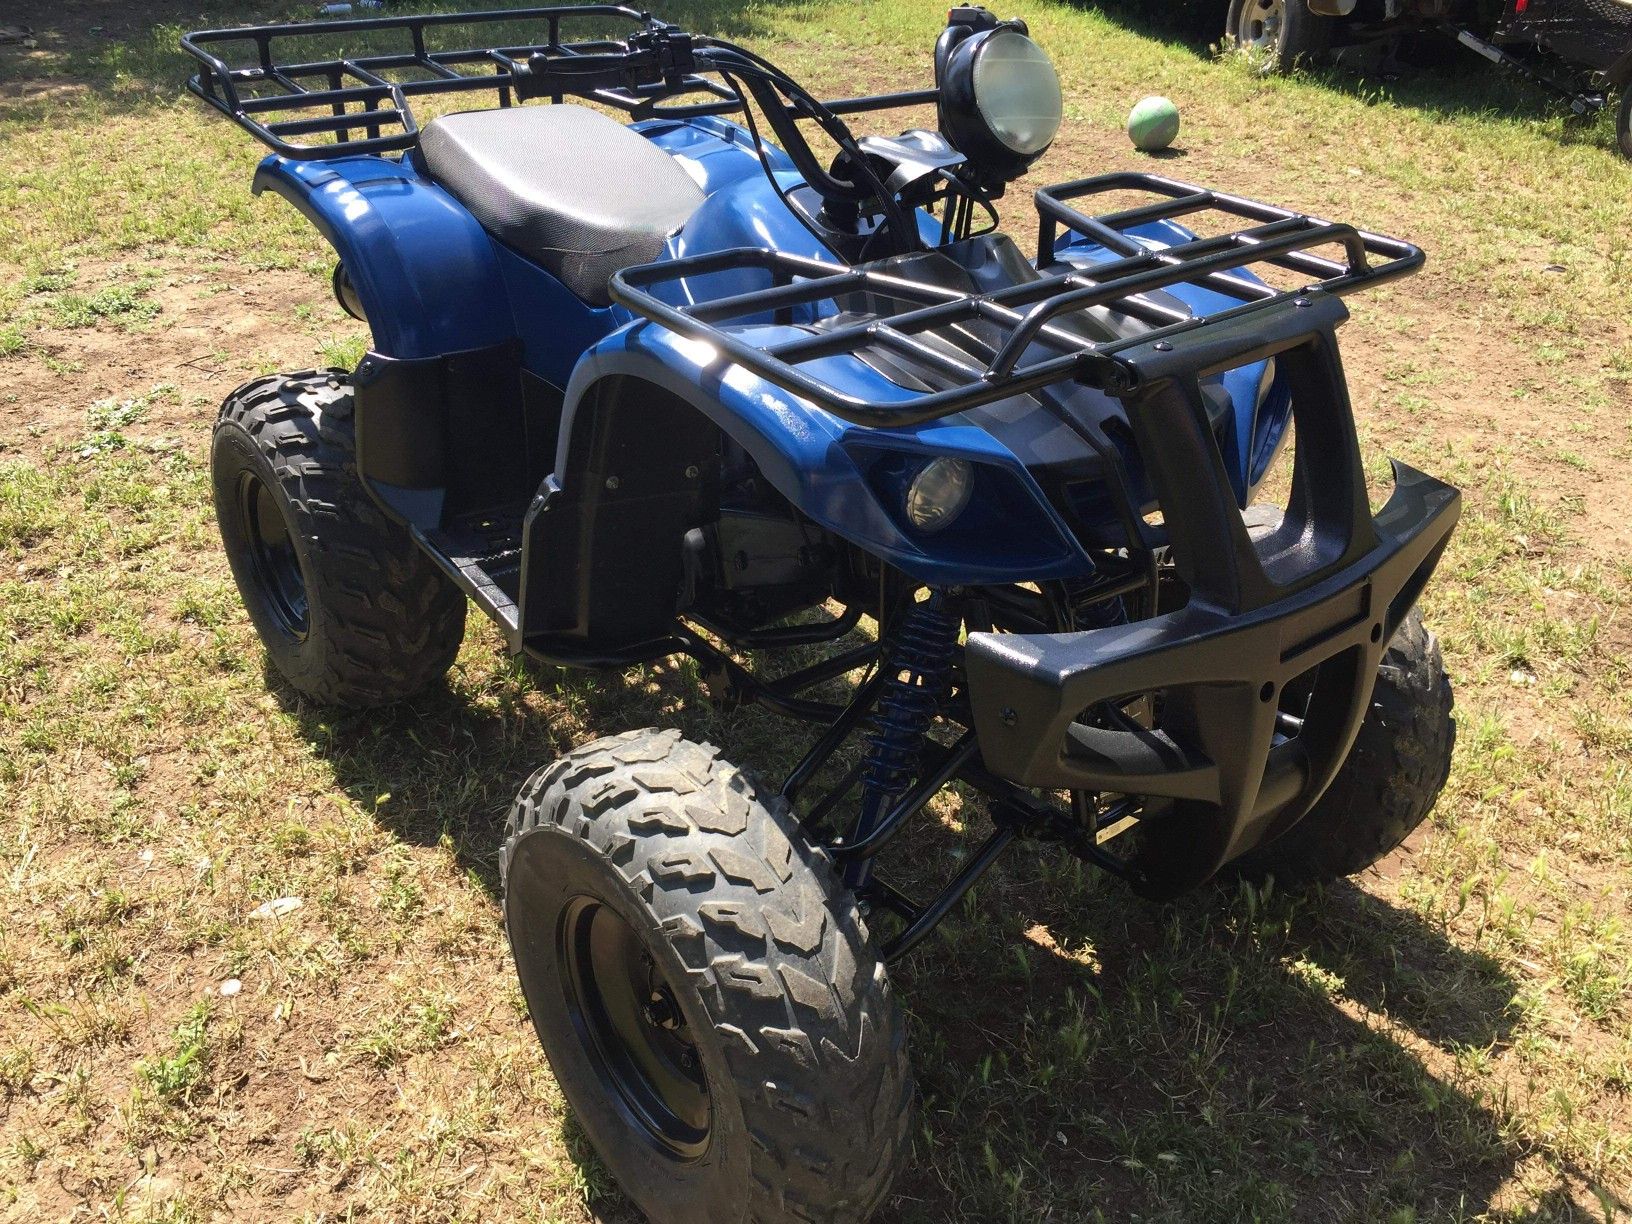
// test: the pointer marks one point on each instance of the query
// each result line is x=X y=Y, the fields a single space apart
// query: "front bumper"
x=1316 y=600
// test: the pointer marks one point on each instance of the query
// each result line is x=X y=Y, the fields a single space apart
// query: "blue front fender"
x=423 y=268
x=827 y=467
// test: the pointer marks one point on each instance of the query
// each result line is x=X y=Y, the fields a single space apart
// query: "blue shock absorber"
x=918 y=675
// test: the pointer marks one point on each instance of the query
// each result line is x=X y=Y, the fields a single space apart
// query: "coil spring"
x=919 y=676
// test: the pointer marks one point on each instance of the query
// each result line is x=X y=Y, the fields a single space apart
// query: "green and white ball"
x=1153 y=124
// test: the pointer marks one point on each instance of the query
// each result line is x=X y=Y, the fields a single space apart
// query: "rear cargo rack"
x=339 y=97
x=1034 y=353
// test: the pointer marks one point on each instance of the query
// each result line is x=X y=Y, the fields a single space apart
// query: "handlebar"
x=362 y=103
x=656 y=55
x=665 y=61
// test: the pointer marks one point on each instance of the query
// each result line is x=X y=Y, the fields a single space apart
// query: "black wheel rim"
x=634 y=1032
x=272 y=556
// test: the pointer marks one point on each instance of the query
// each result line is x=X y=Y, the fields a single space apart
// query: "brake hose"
x=764 y=82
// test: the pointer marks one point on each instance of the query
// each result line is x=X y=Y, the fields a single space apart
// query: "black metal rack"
x=370 y=92
x=1034 y=352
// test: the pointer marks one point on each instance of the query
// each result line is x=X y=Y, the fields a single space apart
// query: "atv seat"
x=564 y=185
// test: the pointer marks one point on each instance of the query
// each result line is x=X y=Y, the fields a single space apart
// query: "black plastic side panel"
x=1319 y=595
x=541 y=420
x=603 y=548
x=401 y=427
x=442 y=437
x=487 y=452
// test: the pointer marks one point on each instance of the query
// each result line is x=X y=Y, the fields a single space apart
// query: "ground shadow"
x=452 y=766
x=1232 y=1031
x=1228 y=1056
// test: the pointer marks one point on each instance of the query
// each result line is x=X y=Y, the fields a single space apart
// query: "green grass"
x=1451 y=1042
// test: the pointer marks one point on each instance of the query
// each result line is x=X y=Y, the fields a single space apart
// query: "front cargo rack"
x=1025 y=314
x=335 y=98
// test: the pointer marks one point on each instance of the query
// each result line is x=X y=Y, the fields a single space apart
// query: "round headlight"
x=1000 y=101
x=939 y=492
x=1017 y=92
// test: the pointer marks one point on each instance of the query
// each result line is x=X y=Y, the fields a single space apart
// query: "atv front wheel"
x=704 y=988
x=1389 y=782
x=1279 y=34
x=351 y=612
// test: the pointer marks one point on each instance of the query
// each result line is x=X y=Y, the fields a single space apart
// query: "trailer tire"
x=1282 y=34
x=767 y=1080
x=1387 y=786
x=350 y=611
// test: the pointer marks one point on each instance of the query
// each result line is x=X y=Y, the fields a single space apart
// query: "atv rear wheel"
x=704 y=988
x=1279 y=34
x=1623 y=121
x=350 y=611
x=1389 y=782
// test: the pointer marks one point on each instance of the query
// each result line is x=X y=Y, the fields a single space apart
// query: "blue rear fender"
x=424 y=269
x=430 y=280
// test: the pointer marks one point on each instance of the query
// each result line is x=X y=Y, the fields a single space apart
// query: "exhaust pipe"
x=346 y=294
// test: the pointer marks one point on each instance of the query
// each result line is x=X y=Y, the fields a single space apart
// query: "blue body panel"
x=432 y=282
x=829 y=468
x=555 y=327
x=1258 y=429
x=424 y=269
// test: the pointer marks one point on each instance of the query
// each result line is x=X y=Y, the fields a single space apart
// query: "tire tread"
x=1400 y=762
x=391 y=620
x=813 y=1037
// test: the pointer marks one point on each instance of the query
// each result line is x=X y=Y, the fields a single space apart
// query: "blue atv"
x=731 y=380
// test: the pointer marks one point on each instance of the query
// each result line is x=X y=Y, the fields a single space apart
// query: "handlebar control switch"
x=974 y=16
x=671 y=51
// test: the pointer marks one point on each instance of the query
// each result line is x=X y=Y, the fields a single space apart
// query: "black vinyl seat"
x=566 y=186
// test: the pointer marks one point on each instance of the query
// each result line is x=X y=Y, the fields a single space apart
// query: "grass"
x=1450 y=1040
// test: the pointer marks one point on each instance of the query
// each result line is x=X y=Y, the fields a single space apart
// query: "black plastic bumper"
x=1317 y=598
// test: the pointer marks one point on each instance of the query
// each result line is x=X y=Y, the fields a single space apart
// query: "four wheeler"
x=672 y=389
x=1285 y=34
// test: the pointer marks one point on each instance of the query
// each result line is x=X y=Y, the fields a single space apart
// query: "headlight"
x=939 y=493
x=1000 y=100
x=1017 y=92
